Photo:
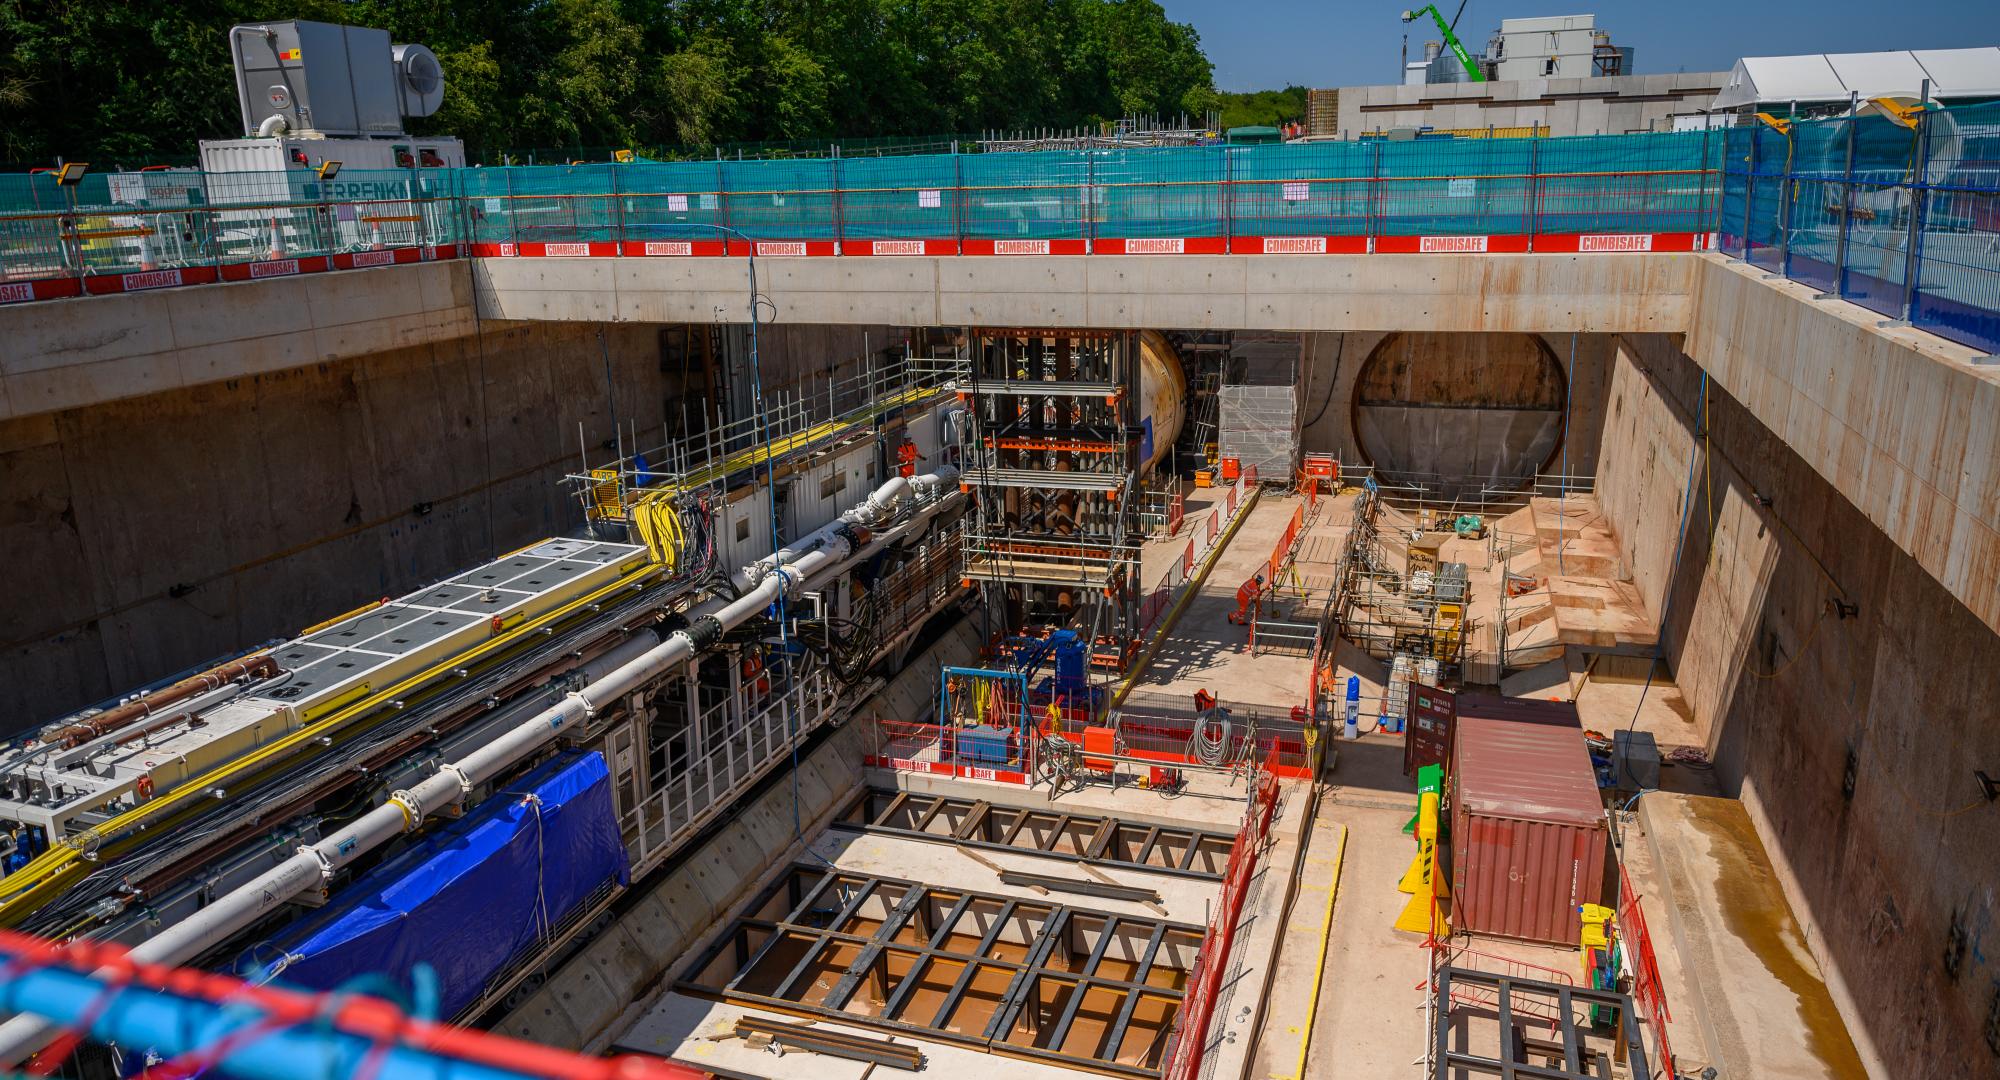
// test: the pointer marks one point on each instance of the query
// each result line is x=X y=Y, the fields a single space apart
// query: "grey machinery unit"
x=330 y=79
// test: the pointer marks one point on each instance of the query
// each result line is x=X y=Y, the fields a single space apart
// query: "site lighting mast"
x=1450 y=39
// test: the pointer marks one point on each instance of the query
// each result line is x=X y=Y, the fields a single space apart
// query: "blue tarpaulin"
x=469 y=898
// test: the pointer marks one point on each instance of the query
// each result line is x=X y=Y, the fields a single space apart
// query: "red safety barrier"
x=1265 y=577
x=1190 y=1039
x=1647 y=991
x=1176 y=512
x=909 y=746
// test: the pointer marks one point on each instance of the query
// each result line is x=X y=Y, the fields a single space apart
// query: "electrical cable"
x=1210 y=750
x=1333 y=382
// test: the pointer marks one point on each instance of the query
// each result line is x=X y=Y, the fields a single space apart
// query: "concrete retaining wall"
x=1852 y=741
x=148 y=534
x=67 y=354
x=1902 y=423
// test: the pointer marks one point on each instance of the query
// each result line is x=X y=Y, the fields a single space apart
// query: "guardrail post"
x=1228 y=201
x=722 y=200
x=839 y=224
x=1534 y=191
x=1846 y=206
x=513 y=218
x=1701 y=191
x=1089 y=200
x=1370 y=222
x=1787 y=197
x=1750 y=192
x=617 y=210
x=1919 y=187
x=957 y=198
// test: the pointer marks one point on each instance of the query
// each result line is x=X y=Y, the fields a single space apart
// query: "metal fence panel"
x=1026 y=196
x=673 y=200
x=1958 y=239
x=1302 y=189
x=1475 y=186
x=898 y=198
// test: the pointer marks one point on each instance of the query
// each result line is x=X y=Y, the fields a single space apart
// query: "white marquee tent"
x=1823 y=77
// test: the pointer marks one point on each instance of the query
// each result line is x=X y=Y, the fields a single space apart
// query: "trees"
x=131 y=83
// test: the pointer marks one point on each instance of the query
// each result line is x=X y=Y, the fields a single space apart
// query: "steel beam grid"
x=1448 y=1063
x=978 y=812
x=876 y=947
x=984 y=476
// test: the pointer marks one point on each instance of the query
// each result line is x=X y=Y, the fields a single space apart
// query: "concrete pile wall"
x=1852 y=740
x=150 y=533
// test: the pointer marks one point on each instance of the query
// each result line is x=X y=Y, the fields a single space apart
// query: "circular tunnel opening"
x=1457 y=413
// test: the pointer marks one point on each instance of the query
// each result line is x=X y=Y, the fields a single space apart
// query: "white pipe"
x=272 y=125
x=874 y=512
x=406 y=810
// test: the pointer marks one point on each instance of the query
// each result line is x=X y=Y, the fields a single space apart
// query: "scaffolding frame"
x=721 y=452
x=1052 y=458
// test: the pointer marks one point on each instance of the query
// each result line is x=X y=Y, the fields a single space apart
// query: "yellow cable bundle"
x=660 y=530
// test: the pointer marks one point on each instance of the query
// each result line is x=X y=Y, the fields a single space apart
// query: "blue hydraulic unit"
x=986 y=713
x=1069 y=687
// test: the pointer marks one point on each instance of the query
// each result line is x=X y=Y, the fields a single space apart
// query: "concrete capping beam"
x=1589 y=293
x=1904 y=424
x=74 y=353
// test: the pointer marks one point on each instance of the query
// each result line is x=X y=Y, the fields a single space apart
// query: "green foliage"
x=138 y=81
x=1268 y=108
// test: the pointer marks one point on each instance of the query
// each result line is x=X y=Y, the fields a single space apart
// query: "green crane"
x=1450 y=39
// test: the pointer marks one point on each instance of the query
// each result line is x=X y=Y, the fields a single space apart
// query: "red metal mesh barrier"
x=1189 y=1043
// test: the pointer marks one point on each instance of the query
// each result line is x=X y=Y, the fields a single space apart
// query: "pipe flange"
x=413 y=811
x=704 y=631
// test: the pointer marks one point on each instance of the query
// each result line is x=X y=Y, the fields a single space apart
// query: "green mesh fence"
x=1527 y=187
x=120 y=222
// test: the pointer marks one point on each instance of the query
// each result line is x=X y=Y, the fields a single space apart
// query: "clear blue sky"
x=1264 y=44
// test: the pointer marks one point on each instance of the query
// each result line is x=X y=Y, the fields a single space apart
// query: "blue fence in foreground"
x=1901 y=218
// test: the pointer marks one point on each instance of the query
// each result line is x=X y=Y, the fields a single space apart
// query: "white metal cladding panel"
x=926 y=429
x=743 y=530
x=835 y=484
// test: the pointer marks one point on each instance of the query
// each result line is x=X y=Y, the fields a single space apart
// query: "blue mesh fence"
x=1899 y=216
x=1958 y=237
x=898 y=198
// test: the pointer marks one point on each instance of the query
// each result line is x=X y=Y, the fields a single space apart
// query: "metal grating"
x=1027 y=978
x=1577 y=1052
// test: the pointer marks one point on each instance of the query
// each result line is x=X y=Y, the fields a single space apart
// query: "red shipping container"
x=1528 y=834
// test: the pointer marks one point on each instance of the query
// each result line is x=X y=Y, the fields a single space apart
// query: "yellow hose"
x=42 y=879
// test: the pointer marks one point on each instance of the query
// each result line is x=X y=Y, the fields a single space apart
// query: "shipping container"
x=1528 y=833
